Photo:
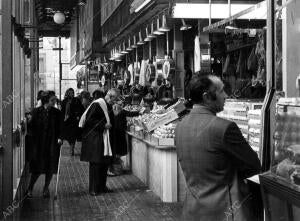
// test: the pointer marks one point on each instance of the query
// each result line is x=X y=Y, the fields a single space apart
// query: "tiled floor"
x=131 y=200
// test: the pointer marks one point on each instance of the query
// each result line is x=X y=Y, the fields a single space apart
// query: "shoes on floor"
x=107 y=190
x=93 y=193
x=46 y=193
x=110 y=173
x=29 y=194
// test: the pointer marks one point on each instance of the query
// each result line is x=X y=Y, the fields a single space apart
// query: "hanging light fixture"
x=140 y=42
x=164 y=27
x=81 y=2
x=151 y=34
x=112 y=55
x=124 y=49
x=129 y=48
x=147 y=35
x=117 y=54
x=59 y=18
x=156 y=31
x=184 y=26
x=134 y=44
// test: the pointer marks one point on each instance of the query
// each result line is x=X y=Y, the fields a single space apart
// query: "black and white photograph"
x=150 y=110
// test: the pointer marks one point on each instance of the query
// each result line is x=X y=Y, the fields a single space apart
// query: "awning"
x=258 y=11
x=218 y=11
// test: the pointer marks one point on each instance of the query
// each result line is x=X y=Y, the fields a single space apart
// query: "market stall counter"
x=153 y=159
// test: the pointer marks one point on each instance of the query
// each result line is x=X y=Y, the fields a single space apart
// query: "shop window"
x=0 y=69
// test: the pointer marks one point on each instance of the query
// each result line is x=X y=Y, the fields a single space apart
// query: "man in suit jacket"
x=214 y=157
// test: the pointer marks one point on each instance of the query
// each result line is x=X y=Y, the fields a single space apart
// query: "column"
x=178 y=55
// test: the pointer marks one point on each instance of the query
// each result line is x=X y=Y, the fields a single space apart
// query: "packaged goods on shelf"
x=164 y=135
x=247 y=116
x=254 y=129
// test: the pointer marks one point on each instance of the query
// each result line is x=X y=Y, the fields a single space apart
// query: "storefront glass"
x=286 y=156
x=0 y=67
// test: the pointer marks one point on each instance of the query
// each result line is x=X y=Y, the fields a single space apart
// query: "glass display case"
x=280 y=185
x=0 y=67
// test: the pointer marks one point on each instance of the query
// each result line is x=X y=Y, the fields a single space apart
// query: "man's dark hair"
x=200 y=85
x=98 y=94
x=45 y=97
x=51 y=93
x=85 y=94
x=39 y=94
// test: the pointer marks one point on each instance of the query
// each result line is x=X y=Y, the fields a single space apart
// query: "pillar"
x=178 y=56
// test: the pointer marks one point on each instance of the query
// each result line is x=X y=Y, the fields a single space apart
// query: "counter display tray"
x=151 y=143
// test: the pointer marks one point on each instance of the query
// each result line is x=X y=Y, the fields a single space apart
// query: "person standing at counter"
x=97 y=140
x=215 y=158
x=119 y=132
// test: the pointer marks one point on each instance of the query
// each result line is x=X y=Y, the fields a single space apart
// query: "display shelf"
x=152 y=143
x=279 y=187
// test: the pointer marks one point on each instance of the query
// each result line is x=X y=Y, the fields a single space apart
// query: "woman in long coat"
x=44 y=152
x=72 y=110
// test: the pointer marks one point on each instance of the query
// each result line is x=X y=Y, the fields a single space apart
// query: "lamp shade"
x=156 y=30
x=184 y=26
x=134 y=44
x=59 y=18
x=129 y=48
x=147 y=38
x=151 y=34
x=124 y=49
x=141 y=41
x=164 y=27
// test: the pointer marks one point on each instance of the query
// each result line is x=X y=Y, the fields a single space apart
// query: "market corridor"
x=131 y=199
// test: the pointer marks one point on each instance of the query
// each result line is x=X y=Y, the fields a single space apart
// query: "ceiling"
x=45 y=10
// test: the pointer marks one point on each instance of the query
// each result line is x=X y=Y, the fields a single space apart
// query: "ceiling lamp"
x=184 y=26
x=129 y=48
x=148 y=38
x=59 y=18
x=164 y=27
x=111 y=55
x=134 y=45
x=156 y=31
x=140 y=42
x=81 y=2
x=151 y=34
x=124 y=49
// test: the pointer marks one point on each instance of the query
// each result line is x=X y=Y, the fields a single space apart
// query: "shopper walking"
x=85 y=99
x=72 y=110
x=214 y=157
x=45 y=125
x=38 y=99
x=97 y=140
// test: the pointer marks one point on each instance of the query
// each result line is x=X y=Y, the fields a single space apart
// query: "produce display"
x=133 y=108
x=165 y=131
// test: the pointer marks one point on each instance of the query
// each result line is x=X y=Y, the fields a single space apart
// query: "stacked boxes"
x=247 y=115
x=255 y=125
x=237 y=112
